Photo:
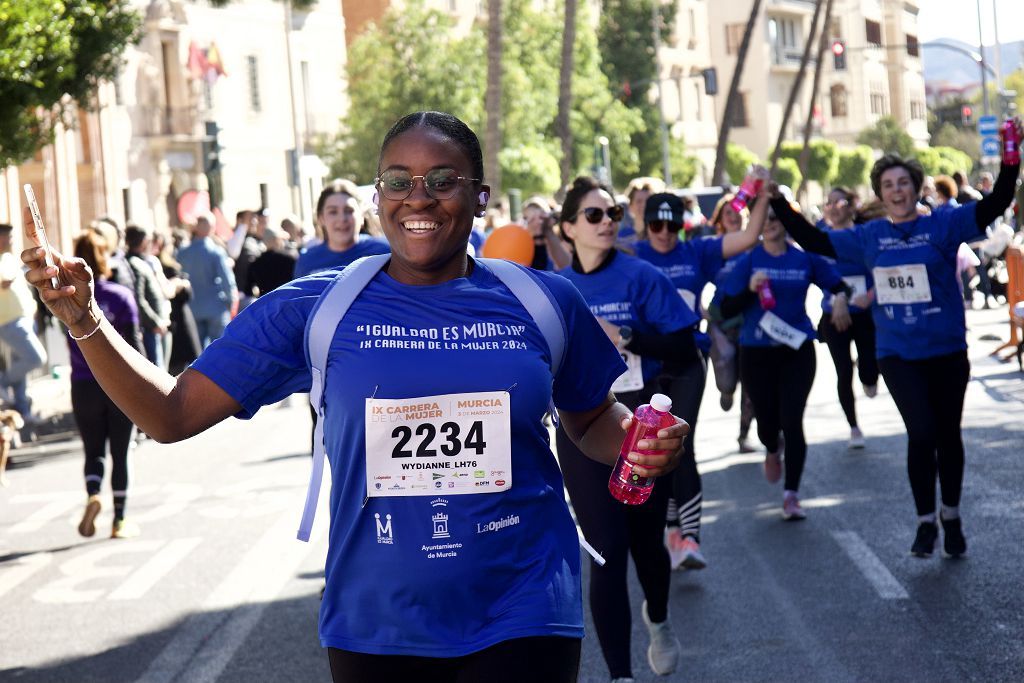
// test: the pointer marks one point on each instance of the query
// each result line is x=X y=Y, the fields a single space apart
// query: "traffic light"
x=839 y=55
x=966 y=115
x=211 y=162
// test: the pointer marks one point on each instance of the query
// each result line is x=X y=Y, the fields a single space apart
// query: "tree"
x=721 y=152
x=739 y=159
x=798 y=82
x=965 y=140
x=943 y=161
x=531 y=168
x=492 y=104
x=53 y=55
x=787 y=172
x=853 y=166
x=889 y=137
x=562 y=127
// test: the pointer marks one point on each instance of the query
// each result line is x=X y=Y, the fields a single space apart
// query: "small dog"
x=10 y=423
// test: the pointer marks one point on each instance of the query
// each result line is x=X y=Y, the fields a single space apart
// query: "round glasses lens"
x=396 y=184
x=442 y=183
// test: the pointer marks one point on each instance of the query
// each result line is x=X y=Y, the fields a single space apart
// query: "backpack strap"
x=331 y=307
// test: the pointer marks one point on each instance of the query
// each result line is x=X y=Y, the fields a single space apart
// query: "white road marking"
x=22 y=568
x=884 y=583
x=89 y=569
x=154 y=569
x=54 y=504
x=208 y=639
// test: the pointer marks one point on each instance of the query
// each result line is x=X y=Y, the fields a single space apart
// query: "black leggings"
x=862 y=333
x=929 y=394
x=686 y=390
x=537 y=658
x=617 y=531
x=100 y=421
x=779 y=380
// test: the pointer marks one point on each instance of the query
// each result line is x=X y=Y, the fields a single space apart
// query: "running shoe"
x=663 y=653
x=953 y=541
x=791 y=510
x=124 y=529
x=924 y=542
x=772 y=467
x=674 y=544
x=725 y=401
x=693 y=558
x=87 y=527
x=856 y=439
x=745 y=446
x=871 y=390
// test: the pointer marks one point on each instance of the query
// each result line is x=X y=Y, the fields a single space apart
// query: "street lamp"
x=604 y=170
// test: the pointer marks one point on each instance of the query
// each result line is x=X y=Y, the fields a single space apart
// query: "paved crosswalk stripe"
x=884 y=583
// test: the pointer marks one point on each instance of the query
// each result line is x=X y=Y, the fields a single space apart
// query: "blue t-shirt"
x=791 y=274
x=628 y=291
x=321 y=257
x=917 y=330
x=519 y=577
x=691 y=265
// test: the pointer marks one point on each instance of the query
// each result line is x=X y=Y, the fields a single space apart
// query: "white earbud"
x=484 y=196
x=376 y=198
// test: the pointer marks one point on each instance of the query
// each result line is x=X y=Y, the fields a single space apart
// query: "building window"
x=733 y=37
x=917 y=110
x=913 y=49
x=698 y=97
x=693 y=28
x=879 y=106
x=838 y=97
x=782 y=34
x=738 y=118
x=253 y=71
x=873 y=33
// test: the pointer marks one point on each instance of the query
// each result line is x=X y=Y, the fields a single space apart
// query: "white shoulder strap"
x=327 y=314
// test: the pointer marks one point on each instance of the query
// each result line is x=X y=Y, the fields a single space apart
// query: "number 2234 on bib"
x=455 y=443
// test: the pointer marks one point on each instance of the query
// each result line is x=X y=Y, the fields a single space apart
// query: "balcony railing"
x=168 y=121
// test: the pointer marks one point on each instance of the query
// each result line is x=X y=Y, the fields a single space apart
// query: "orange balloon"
x=510 y=242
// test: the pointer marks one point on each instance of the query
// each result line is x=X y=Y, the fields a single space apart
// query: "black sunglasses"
x=594 y=214
x=440 y=183
x=658 y=226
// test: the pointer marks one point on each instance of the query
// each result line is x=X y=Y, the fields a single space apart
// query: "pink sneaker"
x=772 y=467
x=791 y=510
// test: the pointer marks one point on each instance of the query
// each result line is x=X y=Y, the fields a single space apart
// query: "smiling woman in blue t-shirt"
x=340 y=217
x=777 y=364
x=640 y=311
x=457 y=583
x=921 y=330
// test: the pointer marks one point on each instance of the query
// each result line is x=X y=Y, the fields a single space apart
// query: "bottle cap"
x=661 y=403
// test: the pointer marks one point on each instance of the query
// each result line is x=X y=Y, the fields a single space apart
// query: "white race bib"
x=455 y=444
x=633 y=378
x=858 y=283
x=689 y=297
x=902 y=285
x=781 y=331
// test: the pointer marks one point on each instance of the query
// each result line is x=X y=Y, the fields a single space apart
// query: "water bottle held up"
x=765 y=294
x=625 y=485
x=750 y=188
x=1011 y=143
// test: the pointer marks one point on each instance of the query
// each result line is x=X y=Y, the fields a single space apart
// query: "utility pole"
x=656 y=29
x=981 y=61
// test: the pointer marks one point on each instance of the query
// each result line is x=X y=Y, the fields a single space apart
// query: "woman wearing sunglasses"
x=466 y=585
x=690 y=265
x=641 y=312
x=340 y=216
x=777 y=361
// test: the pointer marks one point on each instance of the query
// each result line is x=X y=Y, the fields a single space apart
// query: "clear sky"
x=959 y=19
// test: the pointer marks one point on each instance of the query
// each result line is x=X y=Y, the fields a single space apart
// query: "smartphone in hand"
x=40 y=231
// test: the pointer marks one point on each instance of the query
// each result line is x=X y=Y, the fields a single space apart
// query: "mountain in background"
x=946 y=67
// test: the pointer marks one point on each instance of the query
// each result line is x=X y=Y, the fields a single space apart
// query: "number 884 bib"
x=455 y=443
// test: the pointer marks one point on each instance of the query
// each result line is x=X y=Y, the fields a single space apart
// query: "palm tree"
x=823 y=45
x=565 y=92
x=797 y=83
x=718 y=175
x=492 y=99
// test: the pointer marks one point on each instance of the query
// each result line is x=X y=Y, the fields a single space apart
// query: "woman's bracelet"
x=99 y=323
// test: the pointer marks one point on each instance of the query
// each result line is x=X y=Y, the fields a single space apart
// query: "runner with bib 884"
x=921 y=332
x=456 y=582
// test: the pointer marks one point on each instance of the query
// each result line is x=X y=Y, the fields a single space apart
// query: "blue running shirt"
x=628 y=291
x=923 y=329
x=791 y=274
x=508 y=564
x=320 y=257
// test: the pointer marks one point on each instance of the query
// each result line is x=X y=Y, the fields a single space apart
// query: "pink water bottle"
x=625 y=485
x=1011 y=143
x=765 y=294
x=752 y=184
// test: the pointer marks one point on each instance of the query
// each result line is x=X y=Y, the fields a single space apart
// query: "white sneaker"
x=663 y=653
x=856 y=439
x=871 y=390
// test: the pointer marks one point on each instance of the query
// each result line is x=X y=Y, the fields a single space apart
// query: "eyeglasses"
x=594 y=214
x=440 y=183
x=657 y=226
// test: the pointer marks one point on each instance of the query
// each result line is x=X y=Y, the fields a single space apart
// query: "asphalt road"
x=217 y=589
